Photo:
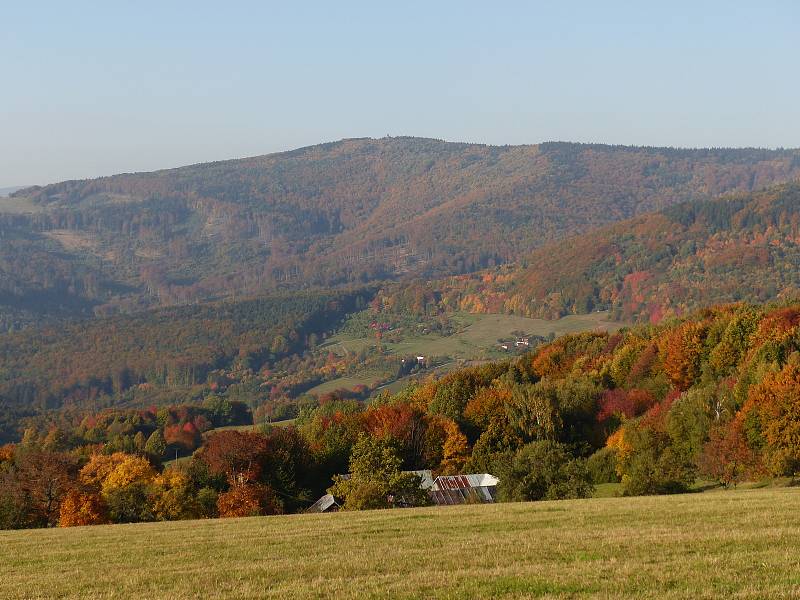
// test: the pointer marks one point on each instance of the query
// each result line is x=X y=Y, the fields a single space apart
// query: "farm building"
x=444 y=490
x=461 y=489
x=325 y=504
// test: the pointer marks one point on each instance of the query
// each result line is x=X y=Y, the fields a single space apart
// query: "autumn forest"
x=232 y=338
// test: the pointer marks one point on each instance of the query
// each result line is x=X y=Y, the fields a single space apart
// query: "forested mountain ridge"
x=737 y=247
x=351 y=211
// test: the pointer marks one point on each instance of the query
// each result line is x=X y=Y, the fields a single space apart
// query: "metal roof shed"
x=325 y=504
x=460 y=489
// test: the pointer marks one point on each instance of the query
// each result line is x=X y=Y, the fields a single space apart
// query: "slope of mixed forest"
x=158 y=356
x=742 y=247
x=351 y=211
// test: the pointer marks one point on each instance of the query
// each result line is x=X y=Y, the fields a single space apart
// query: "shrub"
x=655 y=465
x=602 y=466
x=545 y=470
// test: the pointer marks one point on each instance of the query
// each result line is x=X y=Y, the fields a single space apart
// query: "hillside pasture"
x=476 y=341
x=478 y=336
x=737 y=544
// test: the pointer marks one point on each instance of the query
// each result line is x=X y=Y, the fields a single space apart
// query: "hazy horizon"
x=103 y=89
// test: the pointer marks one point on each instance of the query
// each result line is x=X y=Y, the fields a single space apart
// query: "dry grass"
x=740 y=544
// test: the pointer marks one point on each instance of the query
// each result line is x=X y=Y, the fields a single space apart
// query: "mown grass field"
x=732 y=544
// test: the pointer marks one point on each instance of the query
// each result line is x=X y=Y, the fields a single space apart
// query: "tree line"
x=652 y=407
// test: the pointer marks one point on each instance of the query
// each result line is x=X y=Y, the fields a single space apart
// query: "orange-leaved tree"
x=772 y=412
x=682 y=351
x=82 y=508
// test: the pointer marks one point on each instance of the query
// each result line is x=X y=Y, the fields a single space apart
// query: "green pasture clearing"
x=347 y=382
x=399 y=385
x=733 y=544
x=476 y=341
x=284 y=423
x=488 y=327
x=479 y=337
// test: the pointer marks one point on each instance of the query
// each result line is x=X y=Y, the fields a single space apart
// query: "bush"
x=602 y=466
x=545 y=470
x=207 y=503
x=655 y=465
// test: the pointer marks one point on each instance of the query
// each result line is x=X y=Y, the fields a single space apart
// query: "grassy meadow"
x=737 y=544
x=477 y=340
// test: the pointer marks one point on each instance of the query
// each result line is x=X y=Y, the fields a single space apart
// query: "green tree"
x=544 y=470
x=156 y=445
x=533 y=411
x=602 y=466
x=375 y=479
x=654 y=465
x=139 y=441
x=220 y=409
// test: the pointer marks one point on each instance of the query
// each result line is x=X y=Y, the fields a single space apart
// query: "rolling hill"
x=357 y=210
x=741 y=247
x=7 y=191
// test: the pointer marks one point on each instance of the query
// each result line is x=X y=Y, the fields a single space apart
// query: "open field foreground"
x=738 y=544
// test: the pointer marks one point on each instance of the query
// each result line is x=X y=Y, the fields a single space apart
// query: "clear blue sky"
x=104 y=87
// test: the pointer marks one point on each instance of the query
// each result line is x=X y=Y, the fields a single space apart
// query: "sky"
x=96 y=88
